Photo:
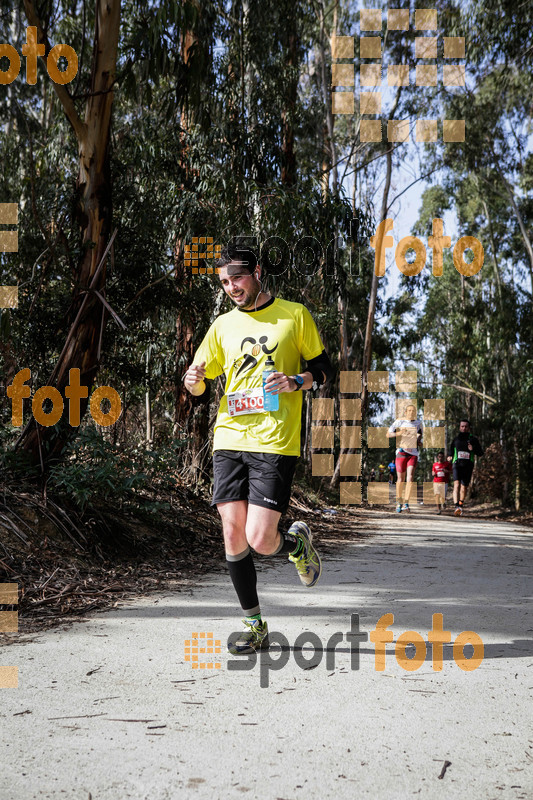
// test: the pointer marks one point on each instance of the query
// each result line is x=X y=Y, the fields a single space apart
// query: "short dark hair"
x=236 y=250
x=464 y=420
x=440 y=453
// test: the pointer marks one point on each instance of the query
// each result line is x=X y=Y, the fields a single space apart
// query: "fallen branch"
x=444 y=768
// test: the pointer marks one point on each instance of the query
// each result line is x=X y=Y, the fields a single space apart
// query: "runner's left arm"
x=320 y=368
x=476 y=446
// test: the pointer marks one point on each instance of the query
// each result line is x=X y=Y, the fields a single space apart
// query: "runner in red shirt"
x=441 y=475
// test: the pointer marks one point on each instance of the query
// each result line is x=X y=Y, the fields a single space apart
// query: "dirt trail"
x=111 y=709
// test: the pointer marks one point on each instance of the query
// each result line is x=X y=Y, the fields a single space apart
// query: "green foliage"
x=198 y=144
x=94 y=469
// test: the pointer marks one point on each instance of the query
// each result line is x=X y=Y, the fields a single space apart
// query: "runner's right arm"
x=391 y=433
x=206 y=364
x=194 y=379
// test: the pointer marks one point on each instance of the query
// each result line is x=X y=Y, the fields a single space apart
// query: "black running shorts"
x=264 y=479
x=462 y=471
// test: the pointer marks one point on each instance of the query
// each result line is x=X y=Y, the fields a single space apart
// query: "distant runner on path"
x=256 y=450
x=392 y=471
x=381 y=473
x=441 y=475
x=464 y=447
x=409 y=431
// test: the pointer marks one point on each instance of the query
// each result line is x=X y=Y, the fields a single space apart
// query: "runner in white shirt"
x=408 y=432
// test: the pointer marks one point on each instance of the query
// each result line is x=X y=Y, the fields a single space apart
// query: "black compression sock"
x=288 y=543
x=242 y=572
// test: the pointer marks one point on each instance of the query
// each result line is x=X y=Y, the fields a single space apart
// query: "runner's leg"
x=400 y=484
x=263 y=535
x=409 y=483
x=238 y=556
x=262 y=531
x=456 y=485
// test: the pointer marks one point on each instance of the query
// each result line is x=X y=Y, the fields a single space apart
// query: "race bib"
x=440 y=473
x=463 y=454
x=249 y=401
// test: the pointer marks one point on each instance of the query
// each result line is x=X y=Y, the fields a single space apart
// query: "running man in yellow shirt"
x=255 y=451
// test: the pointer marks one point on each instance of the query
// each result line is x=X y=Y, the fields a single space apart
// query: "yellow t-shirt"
x=237 y=345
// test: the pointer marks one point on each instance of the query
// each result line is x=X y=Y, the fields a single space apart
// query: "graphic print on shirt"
x=249 y=361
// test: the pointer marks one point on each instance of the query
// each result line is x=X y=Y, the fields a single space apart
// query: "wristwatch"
x=299 y=381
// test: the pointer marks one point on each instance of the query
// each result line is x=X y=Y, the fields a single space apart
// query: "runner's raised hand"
x=194 y=375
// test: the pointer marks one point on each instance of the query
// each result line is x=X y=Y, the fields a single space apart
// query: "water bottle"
x=270 y=401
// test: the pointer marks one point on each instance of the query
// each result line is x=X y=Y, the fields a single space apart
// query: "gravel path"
x=110 y=709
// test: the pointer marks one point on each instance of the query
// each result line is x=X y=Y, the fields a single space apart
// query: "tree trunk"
x=288 y=158
x=148 y=406
x=184 y=349
x=523 y=230
x=505 y=482
x=191 y=415
x=367 y=349
x=94 y=212
x=494 y=253
x=329 y=160
x=517 y=475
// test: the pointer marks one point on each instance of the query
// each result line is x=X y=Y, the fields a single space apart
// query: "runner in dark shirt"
x=464 y=447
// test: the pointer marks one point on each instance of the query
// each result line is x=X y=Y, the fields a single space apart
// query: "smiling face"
x=241 y=286
x=410 y=412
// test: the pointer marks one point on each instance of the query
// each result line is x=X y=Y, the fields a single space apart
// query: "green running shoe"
x=399 y=508
x=255 y=638
x=307 y=562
